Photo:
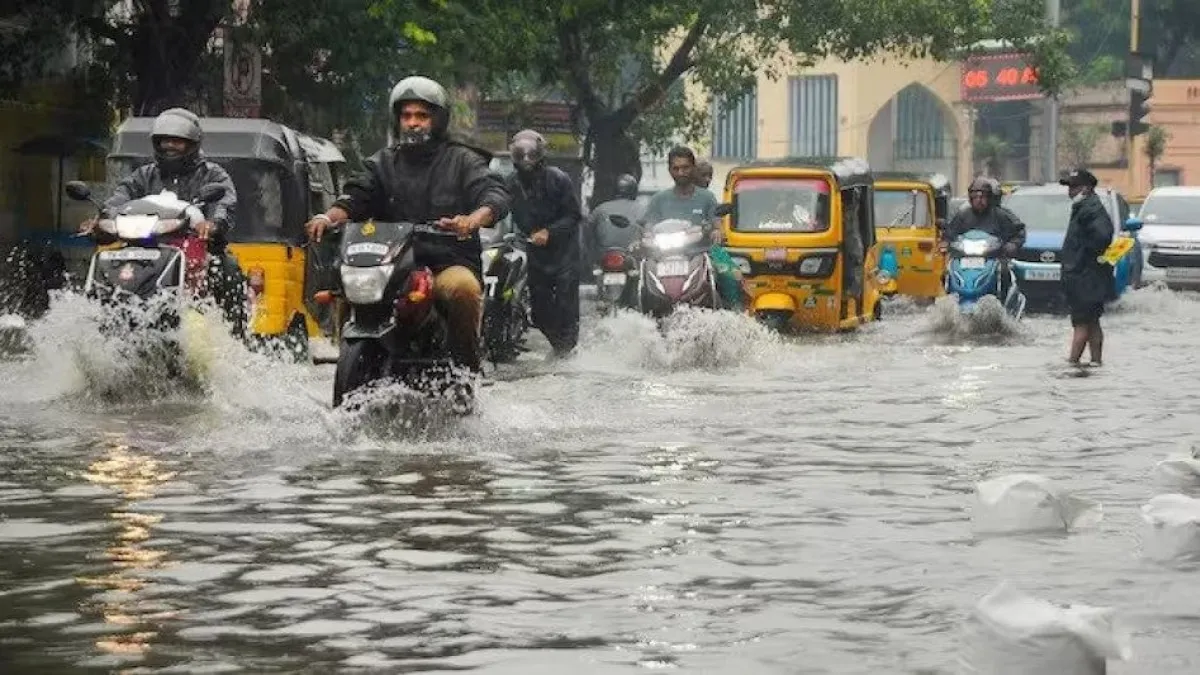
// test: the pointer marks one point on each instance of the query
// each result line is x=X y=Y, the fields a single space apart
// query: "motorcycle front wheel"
x=359 y=363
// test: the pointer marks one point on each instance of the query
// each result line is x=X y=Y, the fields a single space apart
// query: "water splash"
x=988 y=320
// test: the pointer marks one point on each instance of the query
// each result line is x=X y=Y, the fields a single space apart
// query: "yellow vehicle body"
x=908 y=211
x=279 y=308
x=779 y=290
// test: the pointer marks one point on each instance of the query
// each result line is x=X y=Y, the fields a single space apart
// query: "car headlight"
x=743 y=265
x=365 y=285
x=810 y=265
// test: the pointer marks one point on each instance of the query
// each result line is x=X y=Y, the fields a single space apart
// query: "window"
x=1166 y=178
x=920 y=132
x=900 y=208
x=781 y=205
x=735 y=127
x=813 y=115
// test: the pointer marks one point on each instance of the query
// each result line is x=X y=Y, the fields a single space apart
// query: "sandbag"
x=1172 y=527
x=1010 y=633
x=1029 y=503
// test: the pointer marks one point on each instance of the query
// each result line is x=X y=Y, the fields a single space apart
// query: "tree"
x=1156 y=147
x=621 y=60
x=1078 y=142
x=1170 y=31
x=991 y=152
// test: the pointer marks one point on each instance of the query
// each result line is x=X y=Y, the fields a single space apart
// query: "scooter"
x=149 y=280
x=506 y=317
x=975 y=271
x=676 y=269
x=616 y=274
x=395 y=330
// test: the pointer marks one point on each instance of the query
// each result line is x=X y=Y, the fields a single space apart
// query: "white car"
x=1170 y=236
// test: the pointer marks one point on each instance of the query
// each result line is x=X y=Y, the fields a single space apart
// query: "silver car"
x=1170 y=237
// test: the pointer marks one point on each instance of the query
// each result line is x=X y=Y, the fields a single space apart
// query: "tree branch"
x=654 y=91
x=571 y=49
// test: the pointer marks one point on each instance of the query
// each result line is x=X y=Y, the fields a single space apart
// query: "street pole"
x=1130 y=139
x=1050 y=118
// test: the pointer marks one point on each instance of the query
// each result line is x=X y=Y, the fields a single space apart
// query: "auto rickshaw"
x=910 y=211
x=802 y=232
x=273 y=174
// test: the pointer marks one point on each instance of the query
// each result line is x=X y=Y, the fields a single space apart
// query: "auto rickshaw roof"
x=320 y=150
x=224 y=138
x=849 y=171
x=935 y=180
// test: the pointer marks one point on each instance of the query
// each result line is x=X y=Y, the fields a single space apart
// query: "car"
x=1046 y=211
x=1170 y=234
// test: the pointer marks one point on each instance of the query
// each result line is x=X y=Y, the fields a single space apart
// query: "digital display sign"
x=999 y=77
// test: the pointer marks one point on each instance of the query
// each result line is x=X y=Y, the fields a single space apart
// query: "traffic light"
x=1138 y=109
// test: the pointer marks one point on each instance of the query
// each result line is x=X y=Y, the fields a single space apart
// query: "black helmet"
x=528 y=150
x=427 y=91
x=177 y=123
x=627 y=186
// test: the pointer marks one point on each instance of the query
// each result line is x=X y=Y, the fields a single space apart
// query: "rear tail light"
x=614 y=261
x=417 y=295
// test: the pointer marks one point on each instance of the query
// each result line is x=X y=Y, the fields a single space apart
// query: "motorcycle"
x=395 y=330
x=506 y=300
x=615 y=274
x=975 y=271
x=157 y=267
x=676 y=269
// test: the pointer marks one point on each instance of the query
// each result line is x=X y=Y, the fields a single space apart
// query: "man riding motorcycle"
x=986 y=214
x=424 y=176
x=179 y=166
x=601 y=233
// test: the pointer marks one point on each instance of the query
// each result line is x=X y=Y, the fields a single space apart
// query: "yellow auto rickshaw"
x=802 y=232
x=279 y=175
x=910 y=212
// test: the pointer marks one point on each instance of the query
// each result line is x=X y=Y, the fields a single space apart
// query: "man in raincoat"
x=1087 y=281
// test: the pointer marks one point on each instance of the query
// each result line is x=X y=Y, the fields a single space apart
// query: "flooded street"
x=715 y=501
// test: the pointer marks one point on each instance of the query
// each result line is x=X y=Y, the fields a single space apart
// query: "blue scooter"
x=975 y=272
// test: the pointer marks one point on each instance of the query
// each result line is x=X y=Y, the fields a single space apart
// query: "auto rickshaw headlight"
x=811 y=266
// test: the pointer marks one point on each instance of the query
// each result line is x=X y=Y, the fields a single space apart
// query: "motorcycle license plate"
x=972 y=263
x=672 y=268
x=1043 y=275
x=131 y=254
x=368 y=247
x=614 y=279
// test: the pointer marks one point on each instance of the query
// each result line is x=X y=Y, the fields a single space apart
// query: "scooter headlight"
x=365 y=285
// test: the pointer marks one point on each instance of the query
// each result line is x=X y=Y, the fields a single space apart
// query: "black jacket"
x=149 y=180
x=1086 y=280
x=451 y=180
x=549 y=201
x=996 y=221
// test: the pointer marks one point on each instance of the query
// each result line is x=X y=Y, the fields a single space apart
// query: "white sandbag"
x=1172 y=527
x=1010 y=633
x=1183 y=467
x=1029 y=503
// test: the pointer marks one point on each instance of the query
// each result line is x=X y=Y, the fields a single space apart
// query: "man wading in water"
x=1086 y=280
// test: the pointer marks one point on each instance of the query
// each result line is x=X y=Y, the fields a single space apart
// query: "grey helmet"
x=177 y=123
x=528 y=149
x=425 y=90
x=627 y=186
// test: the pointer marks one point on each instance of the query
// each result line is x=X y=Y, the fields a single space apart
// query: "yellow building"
x=898 y=115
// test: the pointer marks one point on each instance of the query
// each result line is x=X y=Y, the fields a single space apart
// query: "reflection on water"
x=632 y=508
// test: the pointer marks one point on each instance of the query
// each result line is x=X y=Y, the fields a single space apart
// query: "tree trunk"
x=614 y=153
x=167 y=53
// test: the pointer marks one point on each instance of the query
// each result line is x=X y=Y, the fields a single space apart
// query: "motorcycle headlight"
x=365 y=285
x=666 y=242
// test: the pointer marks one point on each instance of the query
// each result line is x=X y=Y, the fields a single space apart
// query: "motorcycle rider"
x=704 y=174
x=602 y=234
x=684 y=201
x=423 y=176
x=545 y=208
x=179 y=166
x=986 y=214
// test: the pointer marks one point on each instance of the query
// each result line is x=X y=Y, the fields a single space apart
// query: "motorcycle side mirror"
x=619 y=221
x=210 y=193
x=79 y=191
x=723 y=209
x=1133 y=224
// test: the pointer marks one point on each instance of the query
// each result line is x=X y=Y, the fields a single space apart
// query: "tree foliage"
x=619 y=59
x=1170 y=32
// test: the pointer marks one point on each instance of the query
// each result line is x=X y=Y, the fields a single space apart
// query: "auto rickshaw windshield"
x=901 y=208
x=781 y=205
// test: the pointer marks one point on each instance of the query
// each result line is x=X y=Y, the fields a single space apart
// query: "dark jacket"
x=149 y=180
x=602 y=234
x=451 y=180
x=1086 y=280
x=996 y=221
x=549 y=201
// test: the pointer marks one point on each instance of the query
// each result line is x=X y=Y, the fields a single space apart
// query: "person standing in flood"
x=1087 y=281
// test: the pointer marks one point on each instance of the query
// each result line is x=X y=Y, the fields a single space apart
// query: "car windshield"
x=901 y=207
x=1171 y=210
x=781 y=205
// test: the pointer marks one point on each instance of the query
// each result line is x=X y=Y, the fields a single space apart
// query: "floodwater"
x=716 y=500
